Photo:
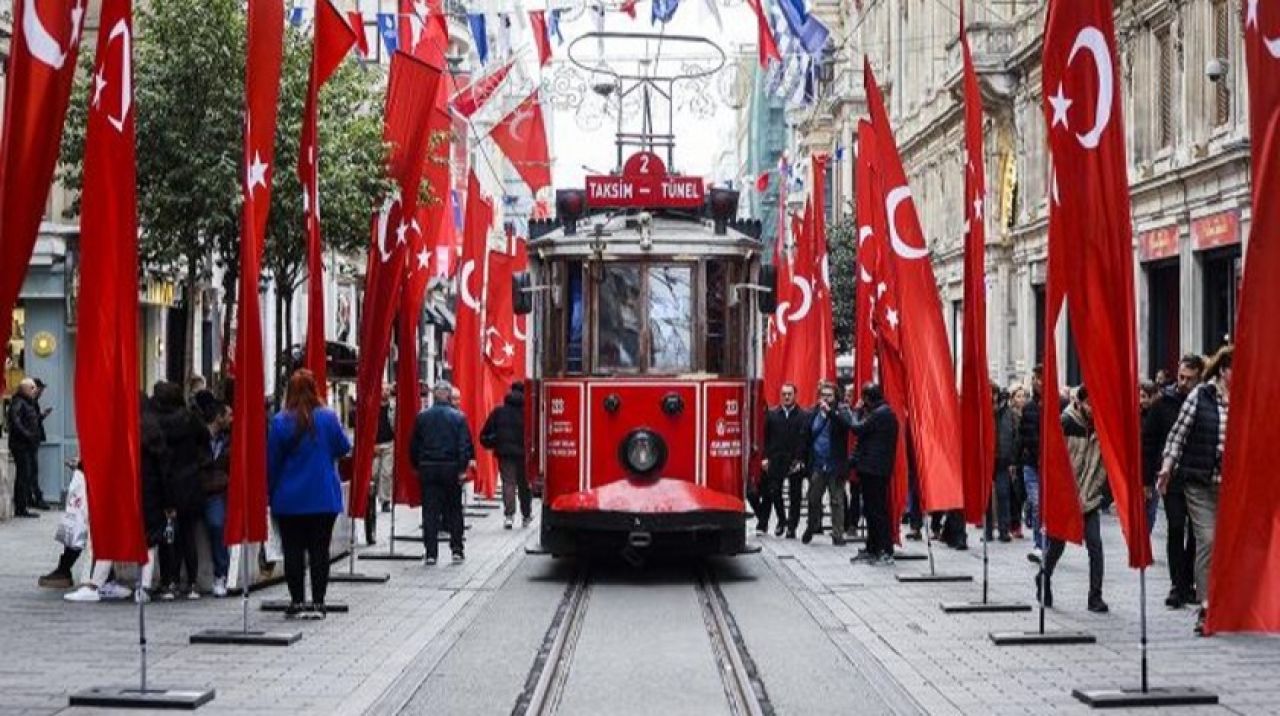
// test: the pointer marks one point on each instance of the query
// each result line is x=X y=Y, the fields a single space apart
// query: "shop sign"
x=159 y=293
x=1216 y=230
x=1159 y=243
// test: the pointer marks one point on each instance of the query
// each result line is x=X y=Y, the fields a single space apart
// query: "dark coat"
x=1029 y=434
x=503 y=432
x=786 y=438
x=154 y=461
x=877 y=431
x=24 y=424
x=841 y=418
x=1006 y=436
x=186 y=442
x=1157 y=423
x=386 y=432
x=441 y=438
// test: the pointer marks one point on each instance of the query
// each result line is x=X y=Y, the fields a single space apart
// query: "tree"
x=189 y=98
x=842 y=250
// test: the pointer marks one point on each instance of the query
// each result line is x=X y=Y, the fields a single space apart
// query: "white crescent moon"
x=516 y=330
x=891 y=202
x=1273 y=46
x=464 y=285
x=488 y=343
x=520 y=118
x=863 y=234
x=383 y=224
x=40 y=43
x=121 y=30
x=826 y=270
x=866 y=277
x=779 y=317
x=1092 y=39
x=807 y=292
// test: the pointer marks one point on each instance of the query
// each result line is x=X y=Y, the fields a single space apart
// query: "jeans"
x=514 y=483
x=1017 y=499
x=1031 y=479
x=1002 y=505
x=1092 y=543
x=1180 y=542
x=441 y=508
x=305 y=539
x=215 y=522
x=875 y=504
x=1202 y=506
x=830 y=485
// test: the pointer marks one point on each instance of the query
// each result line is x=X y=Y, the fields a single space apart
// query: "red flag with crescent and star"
x=1242 y=587
x=334 y=38
x=1082 y=107
x=411 y=98
x=522 y=136
x=977 y=413
x=42 y=64
x=822 y=272
x=865 y=258
x=467 y=351
x=423 y=30
x=247 y=487
x=933 y=407
x=475 y=96
x=107 y=325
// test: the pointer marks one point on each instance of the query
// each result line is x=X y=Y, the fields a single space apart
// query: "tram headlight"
x=643 y=452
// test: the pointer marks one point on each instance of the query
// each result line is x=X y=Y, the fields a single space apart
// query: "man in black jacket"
x=441 y=449
x=1180 y=542
x=828 y=462
x=24 y=443
x=785 y=450
x=503 y=433
x=876 y=427
x=1029 y=459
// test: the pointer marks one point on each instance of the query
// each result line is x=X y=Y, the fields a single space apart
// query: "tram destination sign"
x=644 y=182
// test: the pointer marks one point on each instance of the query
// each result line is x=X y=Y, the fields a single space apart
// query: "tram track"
x=548 y=680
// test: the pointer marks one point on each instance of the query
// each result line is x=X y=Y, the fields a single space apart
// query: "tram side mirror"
x=767 y=297
x=522 y=293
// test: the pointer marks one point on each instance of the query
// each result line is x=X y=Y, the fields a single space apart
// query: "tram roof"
x=670 y=233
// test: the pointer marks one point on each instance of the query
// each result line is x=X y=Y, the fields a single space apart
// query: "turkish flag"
x=107 y=359
x=476 y=95
x=1081 y=92
x=775 y=350
x=764 y=36
x=467 y=356
x=822 y=271
x=356 y=20
x=798 y=315
x=522 y=136
x=866 y=259
x=423 y=30
x=247 y=489
x=411 y=98
x=1242 y=585
x=629 y=7
x=42 y=63
x=538 y=21
x=977 y=414
x=334 y=38
x=932 y=404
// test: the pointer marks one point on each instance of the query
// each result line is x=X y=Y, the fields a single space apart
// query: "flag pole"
x=933 y=577
x=391 y=555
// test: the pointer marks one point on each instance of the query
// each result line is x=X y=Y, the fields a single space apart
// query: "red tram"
x=646 y=352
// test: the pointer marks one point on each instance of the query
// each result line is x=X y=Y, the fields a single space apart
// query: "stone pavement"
x=346 y=664
x=949 y=665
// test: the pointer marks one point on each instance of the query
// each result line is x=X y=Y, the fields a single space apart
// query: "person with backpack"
x=503 y=434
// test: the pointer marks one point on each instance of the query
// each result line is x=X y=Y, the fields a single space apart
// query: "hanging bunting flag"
x=522 y=137
x=356 y=21
x=387 y=29
x=811 y=33
x=762 y=182
x=663 y=10
x=768 y=48
x=553 y=26
x=628 y=6
x=541 y=35
x=479 y=35
x=295 y=16
x=475 y=96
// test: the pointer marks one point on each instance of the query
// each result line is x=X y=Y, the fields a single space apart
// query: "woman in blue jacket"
x=304 y=441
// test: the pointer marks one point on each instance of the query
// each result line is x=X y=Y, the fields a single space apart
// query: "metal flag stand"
x=932 y=577
x=986 y=606
x=351 y=576
x=1145 y=695
x=245 y=636
x=144 y=695
x=391 y=554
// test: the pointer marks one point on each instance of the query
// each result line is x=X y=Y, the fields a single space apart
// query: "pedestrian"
x=1086 y=464
x=876 y=428
x=1029 y=460
x=182 y=497
x=1151 y=449
x=828 y=443
x=1194 y=453
x=197 y=385
x=72 y=532
x=853 y=501
x=784 y=455
x=1180 y=540
x=441 y=450
x=37 y=495
x=1019 y=396
x=215 y=473
x=503 y=434
x=304 y=441
x=383 y=450
x=23 y=420
x=1005 y=433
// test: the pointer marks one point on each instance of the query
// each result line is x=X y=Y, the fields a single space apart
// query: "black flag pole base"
x=280 y=605
x=408 y=538
x=909 y=557
x=1154 y=697
x=358 y=578
x=241 y=637
x=478 y=505
x=131 y=697
x=984 y=607
x=933 y=578
x=1041 y=638
x=392 y=556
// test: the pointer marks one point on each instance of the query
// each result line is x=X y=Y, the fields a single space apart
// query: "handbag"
x=73 y=528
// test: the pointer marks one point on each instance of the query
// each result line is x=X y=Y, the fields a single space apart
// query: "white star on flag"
x=892 y=316
x=99 y=83
x=881 y=288
x=1060 y=104
x=424 y=259
x=257 y=172
x=509 y=349
x=977 y=208
x=401 y=230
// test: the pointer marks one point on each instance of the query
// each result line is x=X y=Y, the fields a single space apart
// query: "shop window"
x=1221 y=276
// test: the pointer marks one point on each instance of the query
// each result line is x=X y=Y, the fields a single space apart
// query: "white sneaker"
x=114 y=592
x=428 y=561
x=86 y=593
x=193 y=595
x=506 y=523
x=220 y=587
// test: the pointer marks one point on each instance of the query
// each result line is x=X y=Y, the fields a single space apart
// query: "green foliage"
x=842 y=247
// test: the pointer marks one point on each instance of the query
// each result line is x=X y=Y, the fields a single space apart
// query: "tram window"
x=717 y=348
x=670 y=318
x=620 y=307
x=575 y=317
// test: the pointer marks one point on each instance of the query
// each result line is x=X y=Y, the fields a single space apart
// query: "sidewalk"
x=52 y=648
x=950 y=666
